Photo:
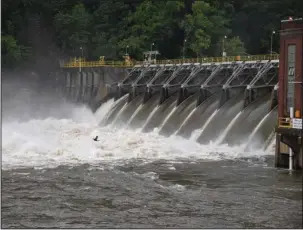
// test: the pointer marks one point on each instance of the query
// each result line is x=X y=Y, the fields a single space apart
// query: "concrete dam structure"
x=88 y=85
x=232 y=103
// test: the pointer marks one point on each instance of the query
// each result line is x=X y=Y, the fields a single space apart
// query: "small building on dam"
x=254 y=102
x=289 y=142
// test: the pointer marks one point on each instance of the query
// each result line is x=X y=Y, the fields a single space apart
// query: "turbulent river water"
x=55 y=176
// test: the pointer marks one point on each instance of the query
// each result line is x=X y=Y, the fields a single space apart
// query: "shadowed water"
x=225 y=194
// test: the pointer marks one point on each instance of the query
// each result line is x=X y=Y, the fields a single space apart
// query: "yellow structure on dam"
x=128 y=63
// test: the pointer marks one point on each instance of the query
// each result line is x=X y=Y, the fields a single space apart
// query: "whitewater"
x=55 y=176
x=51 y=142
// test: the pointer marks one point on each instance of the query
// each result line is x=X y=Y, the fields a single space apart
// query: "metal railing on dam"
x=80 y=63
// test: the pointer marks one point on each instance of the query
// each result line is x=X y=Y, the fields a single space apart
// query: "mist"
x=24 y=99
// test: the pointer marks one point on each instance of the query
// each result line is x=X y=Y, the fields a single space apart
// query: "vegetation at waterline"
x=36 y=29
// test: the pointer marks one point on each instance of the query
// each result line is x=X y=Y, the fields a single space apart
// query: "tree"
x=152 y=22
x=11 y=52
x=73 y=29
x=109 y=26
x=105 y=28
x=204 y=27
x=233 y=46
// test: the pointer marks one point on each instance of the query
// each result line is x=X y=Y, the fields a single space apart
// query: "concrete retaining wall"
x=89 y=85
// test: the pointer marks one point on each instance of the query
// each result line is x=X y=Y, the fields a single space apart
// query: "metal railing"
x=220 y=59
x=83 y=64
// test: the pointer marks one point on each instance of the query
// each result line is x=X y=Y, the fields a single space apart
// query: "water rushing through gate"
x=218 y=126
x=134 y=143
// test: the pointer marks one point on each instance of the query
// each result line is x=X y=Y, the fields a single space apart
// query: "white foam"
x=151 y=175
x=177 y=187
x=51 y=142
x=102 y=112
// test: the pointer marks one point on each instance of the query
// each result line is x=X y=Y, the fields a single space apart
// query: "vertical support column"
x=200 y=97
x=88 y=86
x=147 y=95
x=163 y=95
x=300 y=157
x=73 y=86
x=277 y=150
x=67 y=85
x=83 y=87
x=181 y=96
x=291 y=111
x=92 y=86
x=78 y=86
x=97 y=85
x=224 y=96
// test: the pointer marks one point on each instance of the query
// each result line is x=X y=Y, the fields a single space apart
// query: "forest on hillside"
x=36 y=30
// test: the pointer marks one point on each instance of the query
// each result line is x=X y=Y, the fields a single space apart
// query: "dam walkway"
x=128 y=63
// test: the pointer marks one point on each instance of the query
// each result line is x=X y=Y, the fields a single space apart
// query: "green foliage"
x=108 y=20
x=233 y=46
x=107 y=27
x=204 y=27
x=152 y=22
x=73 y=28
x=11 y=52
x=196 y=26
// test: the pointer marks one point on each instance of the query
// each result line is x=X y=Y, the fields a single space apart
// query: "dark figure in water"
x=96 y=138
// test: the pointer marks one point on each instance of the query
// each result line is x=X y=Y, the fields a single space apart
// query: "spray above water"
x=103 y=111
x=51 y=142
x=230 y=125
x=65 y=136
x=196 y=135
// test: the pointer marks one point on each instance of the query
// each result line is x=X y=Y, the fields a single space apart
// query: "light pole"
x=81 y=58
x=150 y=54
x=271 y=38
x=184 y=42
x=151 y=46
x=223 y=48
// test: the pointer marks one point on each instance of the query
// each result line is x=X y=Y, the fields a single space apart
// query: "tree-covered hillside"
x=34 y=31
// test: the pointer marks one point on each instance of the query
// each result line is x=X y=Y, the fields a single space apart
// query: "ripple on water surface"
x=234 y=193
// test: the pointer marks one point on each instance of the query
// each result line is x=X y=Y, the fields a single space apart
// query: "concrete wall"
x=89 y=85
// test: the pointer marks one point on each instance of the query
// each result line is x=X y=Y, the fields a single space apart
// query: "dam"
x=206 y=102
x=230 y=101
